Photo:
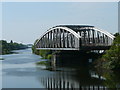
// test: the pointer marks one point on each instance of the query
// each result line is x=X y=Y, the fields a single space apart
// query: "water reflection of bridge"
x=59 y=84
x=71 y=79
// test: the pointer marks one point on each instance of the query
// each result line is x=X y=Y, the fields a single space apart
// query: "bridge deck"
x=82 y=48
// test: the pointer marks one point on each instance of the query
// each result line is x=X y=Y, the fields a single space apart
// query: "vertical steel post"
x=57 y=38
x=103 y=39
x=67 y=40
x=53 y=39
x=88 y=37
x=60 y=38
x=98 y=37
x=47 y=40
x=43 y=42
x=93 y=36
x=84 y=37
x=63 y=39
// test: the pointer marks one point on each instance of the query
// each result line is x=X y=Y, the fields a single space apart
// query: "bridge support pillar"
x=67 y=58
x=72 y=58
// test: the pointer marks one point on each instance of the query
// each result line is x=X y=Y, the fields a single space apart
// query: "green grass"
x=42 y=58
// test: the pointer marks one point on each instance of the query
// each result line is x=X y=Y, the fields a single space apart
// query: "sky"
x=24 y=22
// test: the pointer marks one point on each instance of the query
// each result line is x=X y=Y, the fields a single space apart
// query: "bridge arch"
x=57 y=37
x=74 y=37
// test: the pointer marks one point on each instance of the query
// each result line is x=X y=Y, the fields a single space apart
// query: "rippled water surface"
x=20 y=71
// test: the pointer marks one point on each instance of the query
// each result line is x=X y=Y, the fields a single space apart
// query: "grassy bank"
x=43 y=63
x=45 y=54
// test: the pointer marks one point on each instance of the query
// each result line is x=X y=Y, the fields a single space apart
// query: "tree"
x=116 y=34
x=111 y=60
x=11 y=42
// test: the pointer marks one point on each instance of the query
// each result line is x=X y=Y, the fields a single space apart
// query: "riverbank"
x=45 y=54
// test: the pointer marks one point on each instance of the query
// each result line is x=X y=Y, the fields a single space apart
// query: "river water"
x=20 y=71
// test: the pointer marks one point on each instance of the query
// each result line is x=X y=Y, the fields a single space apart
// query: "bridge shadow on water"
x=73 y=72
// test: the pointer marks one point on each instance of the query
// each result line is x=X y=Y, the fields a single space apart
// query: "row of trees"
x=7 y=47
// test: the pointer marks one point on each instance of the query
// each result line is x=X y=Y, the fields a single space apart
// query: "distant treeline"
x=6 y=48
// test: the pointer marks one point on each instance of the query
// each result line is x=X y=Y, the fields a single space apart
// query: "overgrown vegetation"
x=43 y=63
x=6 y=48
x=111 y=59
x=45 y=54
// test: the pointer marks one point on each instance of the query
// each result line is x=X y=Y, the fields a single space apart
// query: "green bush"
x=49 y=56
x=43 y=63
x=111 y=59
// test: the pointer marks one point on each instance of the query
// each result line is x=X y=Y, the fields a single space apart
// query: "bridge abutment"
x=72 y=58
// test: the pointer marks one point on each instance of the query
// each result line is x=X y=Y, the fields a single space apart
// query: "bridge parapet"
x=74 y=37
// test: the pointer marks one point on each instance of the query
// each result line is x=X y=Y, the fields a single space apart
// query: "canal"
x=19 y=70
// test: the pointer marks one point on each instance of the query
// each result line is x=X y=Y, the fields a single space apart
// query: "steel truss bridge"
x=74 y=37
